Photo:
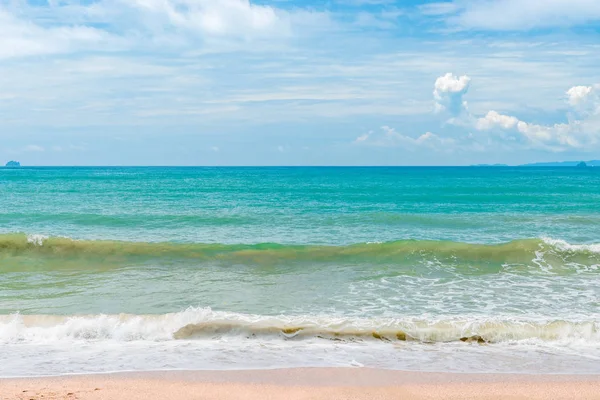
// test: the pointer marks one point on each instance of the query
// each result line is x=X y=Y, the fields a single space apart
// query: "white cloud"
x=582 y=131
x=215 y=149
x=579 y=133
x=38 y=149
x=435 y=9
x=585 y=100
x=493 y=120
x=19 y=37
x=363 y=138
x=514 y=15
x=556 y=137
x=388 y=137
x=370 y=20
x=578 y=94
x=107 y=25
x=34 y=148
x=448 y=94
x=239 y=18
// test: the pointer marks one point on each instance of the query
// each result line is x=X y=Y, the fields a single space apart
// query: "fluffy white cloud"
x=493 y=120
x=585 y=100
x=524 y=14
x=448 y=93
x=556 y=137
x=388 y=137
x=579 y=94
x=581 y=132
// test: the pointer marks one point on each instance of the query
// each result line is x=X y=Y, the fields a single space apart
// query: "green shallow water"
x=19 y=252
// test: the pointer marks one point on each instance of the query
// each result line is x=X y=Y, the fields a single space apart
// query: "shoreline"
x=301 y=384
x=306 y=373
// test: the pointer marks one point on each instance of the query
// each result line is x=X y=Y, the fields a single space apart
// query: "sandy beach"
x=301 y=384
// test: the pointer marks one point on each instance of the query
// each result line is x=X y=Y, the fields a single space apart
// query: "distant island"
x=13 y=164
x=579 y=164
x=592 y=163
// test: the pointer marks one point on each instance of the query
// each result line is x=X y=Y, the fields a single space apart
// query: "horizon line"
x=300 y=166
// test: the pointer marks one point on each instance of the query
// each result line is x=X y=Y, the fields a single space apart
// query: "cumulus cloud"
x=448 y=93
x=579 y=94
x=582 y=131
x=494 y=120
x=556 y=137
x=388 y=137
x=585 y=100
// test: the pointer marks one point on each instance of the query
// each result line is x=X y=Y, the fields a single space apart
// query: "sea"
x=466 y=269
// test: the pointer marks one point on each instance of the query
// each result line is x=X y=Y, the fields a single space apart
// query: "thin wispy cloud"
x=522 y=15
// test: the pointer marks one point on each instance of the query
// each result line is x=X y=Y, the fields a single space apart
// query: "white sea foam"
x=205 y=324
x=37 y=239
x=219 y=340
x=563 y=245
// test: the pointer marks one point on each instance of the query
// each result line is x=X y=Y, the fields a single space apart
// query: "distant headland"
x=592 y=163
x=579 y=164
x=13 y=164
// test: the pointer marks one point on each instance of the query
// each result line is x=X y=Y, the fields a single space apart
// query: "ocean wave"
x=206 y=324
x=564 y=246
x=36 y=239
x=546 y=253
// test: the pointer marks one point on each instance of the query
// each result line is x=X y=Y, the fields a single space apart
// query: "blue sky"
x=284 y=82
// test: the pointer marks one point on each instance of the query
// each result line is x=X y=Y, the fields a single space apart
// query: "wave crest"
x=519 y=256
x=206 y=324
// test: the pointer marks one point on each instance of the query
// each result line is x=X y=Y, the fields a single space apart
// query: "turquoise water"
x=454 y=269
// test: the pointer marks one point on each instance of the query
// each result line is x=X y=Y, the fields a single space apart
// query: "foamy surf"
x=564 y=246
x=36 y=239
x=206 y=324
x=203 y=339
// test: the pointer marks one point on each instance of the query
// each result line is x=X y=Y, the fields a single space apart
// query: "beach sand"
x=302 y=384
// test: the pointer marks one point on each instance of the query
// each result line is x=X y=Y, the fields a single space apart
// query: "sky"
x=299 y=82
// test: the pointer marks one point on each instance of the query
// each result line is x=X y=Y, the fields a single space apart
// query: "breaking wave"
x=544 y=254
x=206 y=324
